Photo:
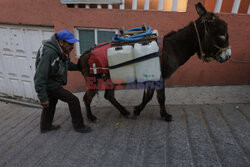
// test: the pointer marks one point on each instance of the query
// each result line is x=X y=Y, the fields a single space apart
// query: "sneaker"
x=84 y=129
x=53 y=127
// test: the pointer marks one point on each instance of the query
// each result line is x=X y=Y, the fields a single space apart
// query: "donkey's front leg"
x=147 y=96
x=90 y=93
x=161 y=100
x=110 y=95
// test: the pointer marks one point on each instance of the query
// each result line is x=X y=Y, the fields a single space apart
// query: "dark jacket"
x=51 y=68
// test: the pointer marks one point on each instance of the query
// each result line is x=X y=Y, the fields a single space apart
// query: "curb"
x=27 y=104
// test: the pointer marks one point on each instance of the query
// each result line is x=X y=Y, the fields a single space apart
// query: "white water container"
x=148 y=70
x=117 y=55
x=155 y=32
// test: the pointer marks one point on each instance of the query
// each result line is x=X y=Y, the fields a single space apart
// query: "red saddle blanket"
x=98 y=61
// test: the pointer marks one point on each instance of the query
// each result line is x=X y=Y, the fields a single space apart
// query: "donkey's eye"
x=223 y=37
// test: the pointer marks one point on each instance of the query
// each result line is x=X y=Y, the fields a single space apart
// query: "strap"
x=206 y=59
x=199 y=41
x=95 y=47
x=137 y=60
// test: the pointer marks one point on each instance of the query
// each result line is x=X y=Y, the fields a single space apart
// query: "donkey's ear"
x=201 y=10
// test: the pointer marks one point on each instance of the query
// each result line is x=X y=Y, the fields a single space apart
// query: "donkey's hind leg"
x=147 y=96
x=110 y=95
x=161 y=100
x=90 y=93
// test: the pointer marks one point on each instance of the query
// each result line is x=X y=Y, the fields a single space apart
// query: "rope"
x=137 y=37
x=196 y=30
x=199 y=41
x=221 y=49
x=232 y=60
x=239 y=61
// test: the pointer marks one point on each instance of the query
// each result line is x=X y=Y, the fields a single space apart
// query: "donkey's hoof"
x=167 y=117
x=92 y=118
x=137 y=110
x=125 y=114
x=134 y=117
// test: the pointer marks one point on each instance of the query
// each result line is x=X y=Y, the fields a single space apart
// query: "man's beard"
x=67 y=51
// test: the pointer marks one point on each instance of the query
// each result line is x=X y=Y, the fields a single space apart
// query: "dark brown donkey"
x=207 y=37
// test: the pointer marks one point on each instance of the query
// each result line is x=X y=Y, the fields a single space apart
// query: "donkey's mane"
x=173 y=33
x=169 y=34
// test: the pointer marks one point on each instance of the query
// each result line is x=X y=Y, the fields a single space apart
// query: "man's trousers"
x=65 y=96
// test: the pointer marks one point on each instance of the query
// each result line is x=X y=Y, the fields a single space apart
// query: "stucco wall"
x=194 y=72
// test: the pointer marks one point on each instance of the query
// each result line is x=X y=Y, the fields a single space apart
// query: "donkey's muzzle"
x=224 y=56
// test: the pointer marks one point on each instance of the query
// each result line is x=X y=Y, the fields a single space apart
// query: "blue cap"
x=67 y=36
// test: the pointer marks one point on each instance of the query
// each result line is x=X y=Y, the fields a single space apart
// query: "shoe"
x=53 y=127
x=84 y=129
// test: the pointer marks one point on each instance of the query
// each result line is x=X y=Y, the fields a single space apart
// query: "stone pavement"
x=205 y=134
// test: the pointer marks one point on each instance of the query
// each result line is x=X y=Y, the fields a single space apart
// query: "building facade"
x=24 y=24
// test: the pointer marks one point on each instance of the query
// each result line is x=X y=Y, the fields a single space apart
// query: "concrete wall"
x=194 y=72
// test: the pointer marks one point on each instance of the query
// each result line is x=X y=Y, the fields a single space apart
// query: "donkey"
x=207 y=36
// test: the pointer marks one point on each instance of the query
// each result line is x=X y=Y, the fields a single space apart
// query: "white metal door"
x=18 y=48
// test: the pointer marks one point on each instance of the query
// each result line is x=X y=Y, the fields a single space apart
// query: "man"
x=52 y=64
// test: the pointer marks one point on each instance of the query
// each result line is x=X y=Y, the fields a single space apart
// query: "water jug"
x=117 y=55
x=148 y=70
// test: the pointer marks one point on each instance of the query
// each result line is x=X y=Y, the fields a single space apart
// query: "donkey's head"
x=214 y=43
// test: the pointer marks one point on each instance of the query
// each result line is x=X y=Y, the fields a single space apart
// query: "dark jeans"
x=74 y=108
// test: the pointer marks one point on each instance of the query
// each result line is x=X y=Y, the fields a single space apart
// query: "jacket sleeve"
x=41 y=77
x=73 y=67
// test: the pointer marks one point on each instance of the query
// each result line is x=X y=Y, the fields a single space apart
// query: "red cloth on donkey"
x=99 y=58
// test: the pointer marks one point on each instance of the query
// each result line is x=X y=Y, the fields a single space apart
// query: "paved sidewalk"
x=180 y=95
x=215 y=134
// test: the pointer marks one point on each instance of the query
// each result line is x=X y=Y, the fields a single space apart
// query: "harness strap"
x=207 y=59
x=222 y=49
x=199 y=41
x=137 y=60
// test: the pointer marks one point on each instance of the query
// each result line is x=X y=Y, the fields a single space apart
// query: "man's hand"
x=45 y=104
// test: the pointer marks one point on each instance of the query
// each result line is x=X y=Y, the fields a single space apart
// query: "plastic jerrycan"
x=148 y=70
x=117 y=55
